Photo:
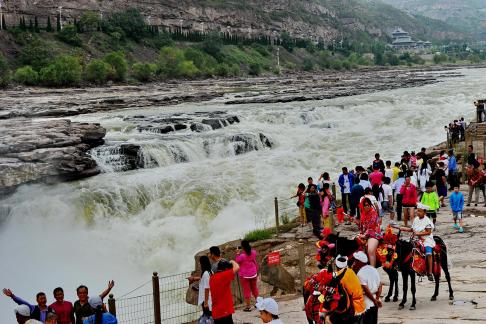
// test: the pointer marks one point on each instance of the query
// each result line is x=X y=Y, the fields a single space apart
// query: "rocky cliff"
x=323 y=20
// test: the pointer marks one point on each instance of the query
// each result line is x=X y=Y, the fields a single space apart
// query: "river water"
x=124 y=225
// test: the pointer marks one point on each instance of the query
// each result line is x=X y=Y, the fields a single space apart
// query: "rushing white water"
x=124 y=225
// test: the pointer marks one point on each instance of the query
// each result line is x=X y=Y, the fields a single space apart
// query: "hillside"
x=466 y=15
x=324 y=20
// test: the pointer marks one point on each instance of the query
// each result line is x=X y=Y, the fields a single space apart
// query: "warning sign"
x=273 y=258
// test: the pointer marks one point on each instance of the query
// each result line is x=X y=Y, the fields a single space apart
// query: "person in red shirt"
x=221 y=295
x=409 y=199
x=64 y=309
x=376 y=177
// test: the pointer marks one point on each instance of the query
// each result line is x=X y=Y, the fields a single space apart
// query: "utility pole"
x=60 y=16
x=1 y=15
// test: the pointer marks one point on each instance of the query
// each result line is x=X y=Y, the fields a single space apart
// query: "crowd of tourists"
x=457 y=130
x=86 y=310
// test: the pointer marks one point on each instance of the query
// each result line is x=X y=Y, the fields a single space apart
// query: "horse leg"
x=445 y=267
x=405 y=288
x=390 y=274
x=413 y=290
x=436 y=291
x=395 y=298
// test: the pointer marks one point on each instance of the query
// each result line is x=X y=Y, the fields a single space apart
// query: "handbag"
x=205 y=319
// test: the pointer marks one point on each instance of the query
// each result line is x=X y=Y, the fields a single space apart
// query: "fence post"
x=333 y=190
x=303 y=273
x=112 y=305
x=156 y=296
x=277 y=222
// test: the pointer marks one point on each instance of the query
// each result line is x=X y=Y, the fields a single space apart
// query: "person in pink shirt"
x=246 y=258
x=409 y=199
x=325 y=204
x=376 y=177
x=64 y=309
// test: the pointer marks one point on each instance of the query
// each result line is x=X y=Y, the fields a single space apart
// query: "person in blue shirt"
x=101 y=316
x=452 y=166
x=457 y=205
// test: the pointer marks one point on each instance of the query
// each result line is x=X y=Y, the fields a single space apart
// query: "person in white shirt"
x=204 y=296
x=387 y=203
x=388 y=169
x=364 y=181
x=371 y=283
x=422 y=227
x=268 y=308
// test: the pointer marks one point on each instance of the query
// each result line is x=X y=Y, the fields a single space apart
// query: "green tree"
x=187 y=69
x=58 y=23
x=90 y=21
x=70 y=36
x=119 y=64
x=65 y=71
x=36 y=25
x=37 y=54
x=379 y=58
x=4 y=24
x=143 y=71
x=213 y=45
x=287 y=42
x=98 y=71
x=392 y=59
x=49 y=26
x=169 y=59
x=26 y=75
x=31 y=25
x=307 y=65
x=131 y=22
x=255 y=68
x=4 y=72
x=222 y=69
x=440 y=58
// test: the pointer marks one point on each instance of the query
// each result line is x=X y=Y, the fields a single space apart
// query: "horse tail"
x=439 y=241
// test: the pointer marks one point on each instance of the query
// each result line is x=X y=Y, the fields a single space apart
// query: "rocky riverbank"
x=46 y=151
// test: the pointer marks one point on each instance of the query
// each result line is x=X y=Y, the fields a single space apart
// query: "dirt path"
x=468 y=254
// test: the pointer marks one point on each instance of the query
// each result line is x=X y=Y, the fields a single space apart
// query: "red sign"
x=273 y=258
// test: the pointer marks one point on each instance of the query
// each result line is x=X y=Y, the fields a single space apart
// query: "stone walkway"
x=467 y=252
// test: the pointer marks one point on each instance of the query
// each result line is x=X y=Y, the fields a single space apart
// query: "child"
x=300 y=203
x=457 y=204
x=431 y=199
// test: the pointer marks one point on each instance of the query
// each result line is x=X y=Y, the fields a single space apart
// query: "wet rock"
x=265 y=140
x=214 y=123
x=198 y=127
x=180 y=126
x=46 y=151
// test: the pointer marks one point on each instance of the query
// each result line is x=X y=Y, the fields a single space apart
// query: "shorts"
x=408 y=206
x=432 y=215
x=428 y=250
x=386 y=207
x=442 y=191
x=457 y=215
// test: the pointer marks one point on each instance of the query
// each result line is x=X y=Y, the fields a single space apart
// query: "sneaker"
x=455 y=226
x=430 y=277
x=461 y=230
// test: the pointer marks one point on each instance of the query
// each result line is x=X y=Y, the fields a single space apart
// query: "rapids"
x=124 y=225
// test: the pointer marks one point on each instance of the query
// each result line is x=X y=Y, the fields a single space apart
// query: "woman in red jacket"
x=409 y=200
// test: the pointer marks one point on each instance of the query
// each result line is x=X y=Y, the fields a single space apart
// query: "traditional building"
x=402 y=41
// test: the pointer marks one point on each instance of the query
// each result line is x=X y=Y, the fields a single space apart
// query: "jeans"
x=452 y=179
x=345 y=201
x=399 y=207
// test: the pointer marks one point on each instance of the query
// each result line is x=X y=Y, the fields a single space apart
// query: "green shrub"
x=261 y=49
x=169 y=59
x=130 y=21
x=307 y=65
x=259 y=234
x=37 y=54
x=187 y=69
x=213 y=45
x=90 y=21
x=4 y=72
x=346 y=65
x=119 y=64
x=234 y=70
x=65 y=71
x=26 y=75
x=255 y=68
x=222 y=70
x=143 y=71
x=336 y=64
x=98 y=71
x=69 y=35
x=159 y=41
x=198 y=57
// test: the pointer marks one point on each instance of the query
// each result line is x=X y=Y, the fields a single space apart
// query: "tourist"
x=377 y=193
x=37 y=312
x=368 y=193
x=215 y=257
x=268 y=308
x=452 y=166
x=387 y=203
x=456 y=201
x=204 y=295
x=431 y=199
x=409 y=199
x=471 y=157
x=369 y=228
x=100 y=315
x=82 y=308
x=396 y=171
x=323 y=179
x=424 y=175
x=371 y=283
x=378 y=164
x=22 y=313
x=375 y=177
x=325 y=204
x=310 y=183
x=423 y=153
x=463 y=128
x=52 y=318
x=313 y=210
x=397 y=186
x=364 y=180
x=441 y=182
x=248 y=272
x=388 y=169
x=345 y=181
x=221 y=295
x=357 y=192
x=422 y=227
x=64 y=309
x=475 y=180
x=300 y=203
x=351 y=284
x=479 y=111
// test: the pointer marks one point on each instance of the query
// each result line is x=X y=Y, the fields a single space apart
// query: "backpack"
x=335 y=298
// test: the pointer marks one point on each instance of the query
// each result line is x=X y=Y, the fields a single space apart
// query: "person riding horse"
x=422 y=228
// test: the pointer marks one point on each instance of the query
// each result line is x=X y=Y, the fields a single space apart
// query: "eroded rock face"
x=46 y=151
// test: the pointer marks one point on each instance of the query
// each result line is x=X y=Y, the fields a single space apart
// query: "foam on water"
x=126 y=225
